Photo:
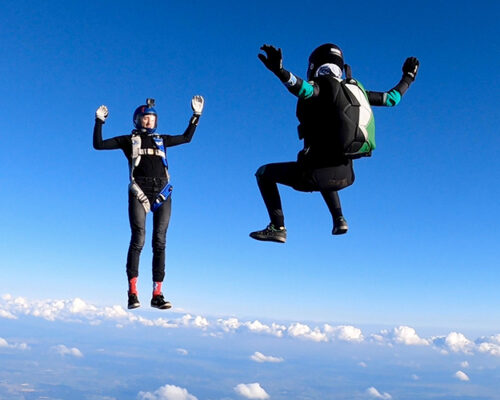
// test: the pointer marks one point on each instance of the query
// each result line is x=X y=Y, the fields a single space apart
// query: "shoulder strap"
x=348 y=72
x=136 y=149
x=161 y=147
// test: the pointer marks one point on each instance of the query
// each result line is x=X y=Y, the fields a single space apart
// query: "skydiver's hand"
x=273 y=60
x=197 y=104
x=102 y=113
x=410 y=67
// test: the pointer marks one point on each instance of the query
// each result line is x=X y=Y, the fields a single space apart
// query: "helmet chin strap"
x=329 y=69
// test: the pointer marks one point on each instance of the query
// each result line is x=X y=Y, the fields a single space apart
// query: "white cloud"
x=464 y=364
x=19 y=346
x=455 y=342
x=66 y=351
x=345 y=333
x=300 y=330
x=182 y=352
x=251 y=391
x=489 y=345
x=259 y=357
x=258 y=327
x=415 y=377
x=78 y=306
x=7 y=314
x=400 y=335
x=197 y=322
x=372 y=392
x=167 y=392
x=460 y=375
x=362 y=364
x=229 y=325
x=408 y=336
x=201 y=322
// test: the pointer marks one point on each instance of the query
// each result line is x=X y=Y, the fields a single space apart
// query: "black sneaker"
x=159 y=301
x=133 y=301
x=270 y=234
x=340 y=226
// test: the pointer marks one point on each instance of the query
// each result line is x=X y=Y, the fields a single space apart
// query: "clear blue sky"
x=423 y=242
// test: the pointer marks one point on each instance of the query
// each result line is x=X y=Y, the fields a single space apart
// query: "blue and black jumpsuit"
x=151 y=177
x=321 y=165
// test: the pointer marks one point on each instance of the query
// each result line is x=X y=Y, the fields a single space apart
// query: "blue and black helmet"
x=146 y=109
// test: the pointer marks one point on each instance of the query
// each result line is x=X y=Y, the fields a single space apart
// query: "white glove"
x=197 y=104
x=102 y=113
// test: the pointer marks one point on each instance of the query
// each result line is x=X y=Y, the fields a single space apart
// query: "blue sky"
x=422 y=211
x=421 y=250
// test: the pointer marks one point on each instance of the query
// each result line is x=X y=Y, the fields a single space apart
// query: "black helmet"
x=327 y=53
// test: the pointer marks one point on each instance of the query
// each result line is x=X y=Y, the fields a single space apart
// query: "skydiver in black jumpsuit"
x=149 y=189
x=321 y=165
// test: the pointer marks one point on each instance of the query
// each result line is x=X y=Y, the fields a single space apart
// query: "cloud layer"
x=78 y=311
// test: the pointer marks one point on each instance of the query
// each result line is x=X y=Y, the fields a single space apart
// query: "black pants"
x=137 y=218
x=327 y=181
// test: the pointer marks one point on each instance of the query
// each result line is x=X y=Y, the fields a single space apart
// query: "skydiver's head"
x=326 y=59
x=145 y=117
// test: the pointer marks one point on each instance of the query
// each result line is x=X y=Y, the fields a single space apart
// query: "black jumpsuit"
x=151 y=177
x=321 y=165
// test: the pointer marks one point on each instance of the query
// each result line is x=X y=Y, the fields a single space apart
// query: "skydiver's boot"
x=133 y=301
x=270 y=234
x=340 y=226
x=158 y=301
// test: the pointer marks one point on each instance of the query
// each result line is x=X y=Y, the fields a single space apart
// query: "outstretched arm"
x=273 y=60
x=393 y=96
x=109 y=144
x=197 y=104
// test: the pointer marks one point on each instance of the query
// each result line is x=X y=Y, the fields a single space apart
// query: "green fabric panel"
x=371 y=133
x=393 y=98
x=306 y=90
x=363 y=89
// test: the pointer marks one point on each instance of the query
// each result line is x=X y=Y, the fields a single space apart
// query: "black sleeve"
x=174 y=140
x=390 y=98
x=118 y=142
x=297 y=86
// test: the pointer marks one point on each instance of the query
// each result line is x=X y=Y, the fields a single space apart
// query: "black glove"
x=410 y=67
x=274 y=59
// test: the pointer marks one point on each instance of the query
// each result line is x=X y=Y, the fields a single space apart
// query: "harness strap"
x=139 y=194
x=152 y=152
x=134 y=188
x=162 y=197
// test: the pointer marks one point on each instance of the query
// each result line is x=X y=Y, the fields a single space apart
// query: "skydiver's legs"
x=161 y=219
x=332 y=201
x=268 y=176
x=137 y=218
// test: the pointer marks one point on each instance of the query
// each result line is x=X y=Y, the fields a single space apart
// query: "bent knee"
x=261 y=171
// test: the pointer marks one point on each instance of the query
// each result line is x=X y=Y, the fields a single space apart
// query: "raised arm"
x=273 y=60
x=109 y=144
x=393 y=97
x=197 y=104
